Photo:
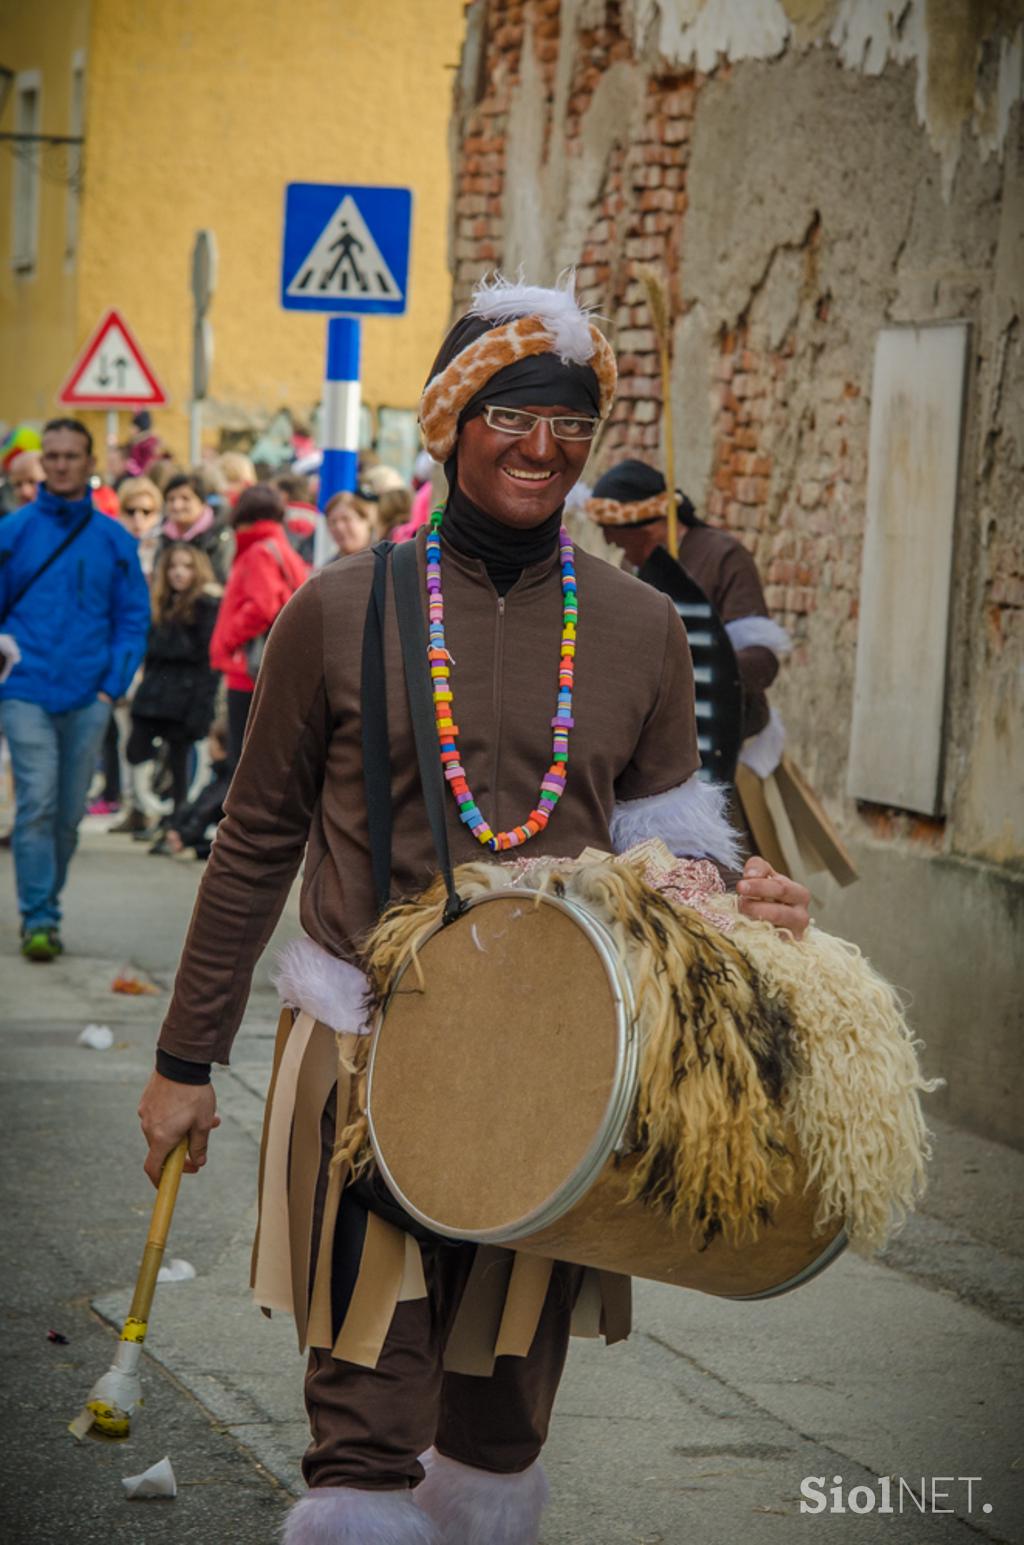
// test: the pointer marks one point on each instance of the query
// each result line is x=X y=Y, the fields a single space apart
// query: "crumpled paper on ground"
x=176 y=1271
x=157 y=1481
x=97 y=1037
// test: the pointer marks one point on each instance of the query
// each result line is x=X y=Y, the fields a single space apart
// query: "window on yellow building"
x=76 y=158
x=27 y=120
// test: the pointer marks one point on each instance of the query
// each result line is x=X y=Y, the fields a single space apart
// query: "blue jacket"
x=82 y=627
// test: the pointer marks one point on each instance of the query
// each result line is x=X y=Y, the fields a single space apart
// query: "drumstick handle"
x=159 y=1226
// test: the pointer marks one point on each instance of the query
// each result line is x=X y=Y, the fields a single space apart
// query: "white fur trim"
x=690 y=819
x=344 y=1515
x=759 y=633
x=479 y=1507
x=332 y=990
x=762 y=753
x=498 y=300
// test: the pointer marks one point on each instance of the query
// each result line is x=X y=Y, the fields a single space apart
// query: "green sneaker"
x=41 y=944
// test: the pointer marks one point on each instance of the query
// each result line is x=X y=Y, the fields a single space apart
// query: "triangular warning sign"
x=112 y=371
x=344 y=262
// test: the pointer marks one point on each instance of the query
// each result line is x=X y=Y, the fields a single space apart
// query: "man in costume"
x=776 y=808
x=520 y=619
x=630 y=504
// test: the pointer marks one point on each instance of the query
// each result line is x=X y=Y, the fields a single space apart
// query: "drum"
x=507 y=1105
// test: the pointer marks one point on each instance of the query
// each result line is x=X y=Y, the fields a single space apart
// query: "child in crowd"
x=192 y=820
x=174 y=703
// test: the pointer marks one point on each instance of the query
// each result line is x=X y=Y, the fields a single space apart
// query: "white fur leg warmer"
x=344 y=1515
x=478 y=1507
x=690 y=820
x=331 y=990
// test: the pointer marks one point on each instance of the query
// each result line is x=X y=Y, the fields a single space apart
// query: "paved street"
x=700 y=1429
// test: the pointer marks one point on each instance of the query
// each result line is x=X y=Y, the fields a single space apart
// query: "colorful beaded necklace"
x=553 y=782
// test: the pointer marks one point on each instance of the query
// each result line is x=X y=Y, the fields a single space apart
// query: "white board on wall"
x=899 y=693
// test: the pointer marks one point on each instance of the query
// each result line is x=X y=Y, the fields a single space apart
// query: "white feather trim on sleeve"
x=332 y=990
x=759 y=633
x=498 y=300
x=690 y=819
x=762 y=753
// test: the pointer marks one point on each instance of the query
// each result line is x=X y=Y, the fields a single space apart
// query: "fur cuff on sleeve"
x=331 y=990
x=759 y=633
x=689 y=819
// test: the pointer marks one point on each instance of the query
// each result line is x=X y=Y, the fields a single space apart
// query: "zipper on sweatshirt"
x=499 y=673
x=80 y=586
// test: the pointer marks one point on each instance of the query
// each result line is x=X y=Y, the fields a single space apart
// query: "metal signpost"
x=204 y=282
x=113 y=373
x=346 y=251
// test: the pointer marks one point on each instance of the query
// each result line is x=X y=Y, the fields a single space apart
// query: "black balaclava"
x=632 y=482
x=541 y=380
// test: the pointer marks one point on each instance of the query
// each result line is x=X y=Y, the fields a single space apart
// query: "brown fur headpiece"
x=524 y=320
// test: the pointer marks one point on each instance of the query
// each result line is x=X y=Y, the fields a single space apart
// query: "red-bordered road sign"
x=112 y=371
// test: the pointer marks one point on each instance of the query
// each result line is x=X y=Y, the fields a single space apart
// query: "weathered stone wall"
x=803 y=173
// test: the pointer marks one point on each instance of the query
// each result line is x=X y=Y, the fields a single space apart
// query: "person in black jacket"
x=174 y=703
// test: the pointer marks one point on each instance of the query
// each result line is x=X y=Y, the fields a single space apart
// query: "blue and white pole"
x=339 y=419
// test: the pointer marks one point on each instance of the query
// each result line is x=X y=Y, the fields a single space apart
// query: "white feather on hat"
x=498 y=300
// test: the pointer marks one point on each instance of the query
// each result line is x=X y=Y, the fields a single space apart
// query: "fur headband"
x=610 y=512
x=524 y=320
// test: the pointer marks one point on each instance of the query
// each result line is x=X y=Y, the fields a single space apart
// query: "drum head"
x=506 y=1080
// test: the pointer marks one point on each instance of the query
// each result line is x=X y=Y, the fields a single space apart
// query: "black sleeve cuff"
x=181 y=1069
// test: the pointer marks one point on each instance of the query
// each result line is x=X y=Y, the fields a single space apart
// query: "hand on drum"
x=772 y=898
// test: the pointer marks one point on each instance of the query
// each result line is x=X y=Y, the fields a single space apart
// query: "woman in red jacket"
x=265 y=575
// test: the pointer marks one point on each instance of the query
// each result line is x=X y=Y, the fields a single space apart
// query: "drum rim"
x=621 y=1099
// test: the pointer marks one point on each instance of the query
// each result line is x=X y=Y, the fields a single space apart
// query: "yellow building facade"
x=196 y=116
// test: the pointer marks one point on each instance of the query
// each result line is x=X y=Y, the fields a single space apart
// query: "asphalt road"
x=702 y=1428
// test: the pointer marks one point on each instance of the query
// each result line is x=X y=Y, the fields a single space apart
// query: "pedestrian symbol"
x=345 y=261
x=345 y=248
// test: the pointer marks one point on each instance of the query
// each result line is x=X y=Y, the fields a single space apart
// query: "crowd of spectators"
x=219 y=549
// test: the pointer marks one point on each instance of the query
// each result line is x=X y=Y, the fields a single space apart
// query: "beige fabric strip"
x=471 y=1340
x=414 y=1282
x=586 y=1314
x=315 y=1081
x=272 y=1287
x=320 y=1329
x=284 y=1029
x=527 y=1290
x=370 y=1312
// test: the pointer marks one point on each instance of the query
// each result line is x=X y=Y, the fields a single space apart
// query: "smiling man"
x=511 y=407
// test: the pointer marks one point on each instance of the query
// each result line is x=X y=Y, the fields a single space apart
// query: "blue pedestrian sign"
x=346 y=248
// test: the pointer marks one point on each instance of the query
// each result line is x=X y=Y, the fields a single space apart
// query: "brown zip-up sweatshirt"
x=299 y=785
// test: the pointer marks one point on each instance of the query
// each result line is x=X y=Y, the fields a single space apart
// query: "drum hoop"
x=617 y=1112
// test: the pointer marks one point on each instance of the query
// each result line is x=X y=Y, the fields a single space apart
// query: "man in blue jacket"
x=74 y=615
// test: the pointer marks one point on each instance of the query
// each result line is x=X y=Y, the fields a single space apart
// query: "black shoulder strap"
x=376 y=747
x=62 y=547
x=413 y=634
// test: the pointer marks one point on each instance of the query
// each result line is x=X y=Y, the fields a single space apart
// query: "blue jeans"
x=54 y=756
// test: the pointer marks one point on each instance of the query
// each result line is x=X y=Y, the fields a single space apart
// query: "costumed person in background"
x=781 y=817
x=24 y=477
x=174 y=702
x=401 y=1450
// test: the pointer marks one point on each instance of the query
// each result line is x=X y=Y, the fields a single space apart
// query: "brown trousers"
x=370 y=1425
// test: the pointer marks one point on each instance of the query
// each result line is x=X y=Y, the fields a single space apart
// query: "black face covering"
x=540 y=380
x=505 y=550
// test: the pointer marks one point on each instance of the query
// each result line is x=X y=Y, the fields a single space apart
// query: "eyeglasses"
x=518 y=421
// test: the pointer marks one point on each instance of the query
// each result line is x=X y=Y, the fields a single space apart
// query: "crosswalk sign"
x=346 y=248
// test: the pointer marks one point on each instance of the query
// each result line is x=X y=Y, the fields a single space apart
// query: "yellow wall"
x=38 y=319
x=199 y=114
